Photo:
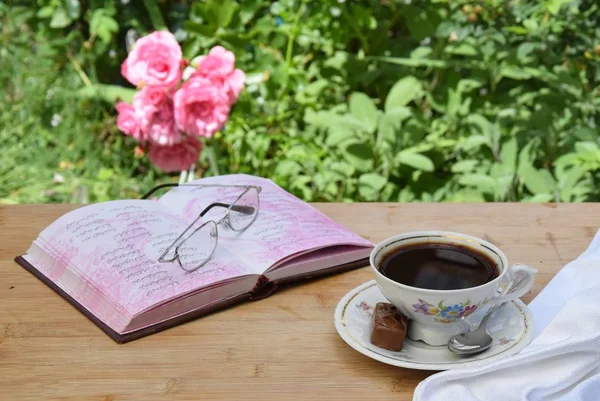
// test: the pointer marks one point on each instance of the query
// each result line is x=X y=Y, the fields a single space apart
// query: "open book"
x=104 y=258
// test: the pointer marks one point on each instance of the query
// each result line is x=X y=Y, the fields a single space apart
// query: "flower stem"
x=79 y=70
x=182 y=176
x=212 y=159
x=293 y=34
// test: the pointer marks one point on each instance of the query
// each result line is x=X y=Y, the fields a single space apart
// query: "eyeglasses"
x=240 y=214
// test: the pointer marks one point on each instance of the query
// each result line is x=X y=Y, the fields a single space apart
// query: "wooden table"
x=282 y=347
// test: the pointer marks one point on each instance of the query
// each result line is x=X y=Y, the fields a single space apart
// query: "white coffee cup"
x=436 y=315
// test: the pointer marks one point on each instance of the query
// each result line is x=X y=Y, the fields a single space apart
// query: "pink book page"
x=284 y=227
x=115 y=247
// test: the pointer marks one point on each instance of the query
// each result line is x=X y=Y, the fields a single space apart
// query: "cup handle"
x=517 y=273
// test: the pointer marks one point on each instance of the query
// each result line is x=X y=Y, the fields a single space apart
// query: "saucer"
x=511 y=328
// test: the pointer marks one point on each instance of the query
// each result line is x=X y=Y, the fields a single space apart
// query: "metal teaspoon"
x=479 y=340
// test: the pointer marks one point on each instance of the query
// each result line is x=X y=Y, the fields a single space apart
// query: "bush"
x=346 y=101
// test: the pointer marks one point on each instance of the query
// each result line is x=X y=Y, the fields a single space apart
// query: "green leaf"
x=586 y=134
x=586 y=146
x=360 y=155
x=525 y=155
x=348 y=120
x=504 y=184
x=553 y=6
x=567 y=159
x=464 y=166
x=420 y=23
x=508 y=154
x=514 y=72
x=365 y=111
x=540 y=198
x=415 y=160
x=419 y=62
x=537 y=181
x=45 y=12
x=462 y=49
x=315 y=88
x=482 y=182
x=107 y=93
x=248 y=9
x=421 y=52
x=192 y=47
x=435 y=104
x=399 y=113
x=288 y=168
x=309 y=94
x=336 y=134
x=320 y=119
x=569 y=181
x=389 y=125
x=222 y=11
x=467 y=195
x=446 y=28
x=530 y=24
x=454 y=102
x=370 y=184
x=403 y=92
x=105 y=174
x=343 y=168
x=406 y=195
x=103 y=24
x=468 y=84
x=481 y=125
x=475 y=141
x=60 y=18
x=155 y=15
x=73 y=8
x=524 y=50
x=203 y=29
x=519 y=30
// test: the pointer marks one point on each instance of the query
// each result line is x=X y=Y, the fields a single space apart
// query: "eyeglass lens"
x=198 y=247
x=244 y=210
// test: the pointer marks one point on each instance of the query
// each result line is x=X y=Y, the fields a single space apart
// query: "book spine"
x=263 y=288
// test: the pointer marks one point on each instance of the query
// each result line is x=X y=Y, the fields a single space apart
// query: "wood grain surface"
x=281 y=348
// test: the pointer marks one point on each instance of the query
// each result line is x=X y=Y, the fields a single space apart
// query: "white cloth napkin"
x=562 y=363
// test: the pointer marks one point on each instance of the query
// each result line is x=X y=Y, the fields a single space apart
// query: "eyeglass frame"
x=226 y=219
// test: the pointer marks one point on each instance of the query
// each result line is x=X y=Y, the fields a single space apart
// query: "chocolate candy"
x=388 y=327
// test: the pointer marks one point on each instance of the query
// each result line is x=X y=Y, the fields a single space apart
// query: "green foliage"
x=57 y=147
x=345 y=101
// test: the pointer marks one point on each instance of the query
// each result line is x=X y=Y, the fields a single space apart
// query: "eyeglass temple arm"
x=170 y=185
x=156 y=188
x=237 y=208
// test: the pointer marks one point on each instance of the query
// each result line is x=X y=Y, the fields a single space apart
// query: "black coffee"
x=438 y=266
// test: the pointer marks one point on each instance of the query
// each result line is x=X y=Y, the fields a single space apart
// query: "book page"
x=285 y=226
x=115 y=247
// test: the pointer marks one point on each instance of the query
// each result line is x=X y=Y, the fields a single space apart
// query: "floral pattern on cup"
x=445 y=313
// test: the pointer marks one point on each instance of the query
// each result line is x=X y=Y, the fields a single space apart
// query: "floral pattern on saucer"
x=443 y=313
x=505 y=341
x=365 y=307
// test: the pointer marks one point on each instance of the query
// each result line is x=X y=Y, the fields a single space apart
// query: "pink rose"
x=154 y=107
x=201 y=107
x=128 y=121
x=155 y=60
x=176 y=157
x=218 y=66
